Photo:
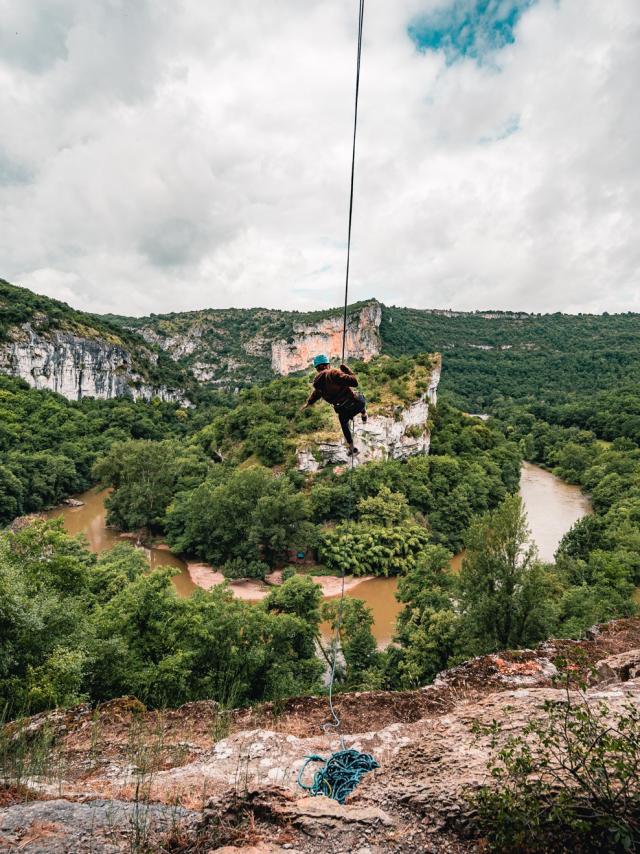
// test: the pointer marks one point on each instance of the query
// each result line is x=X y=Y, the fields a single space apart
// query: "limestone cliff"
x=362 y=340
x=226 y=347
x=76 y=365
x=392 y=431
x=53 y=346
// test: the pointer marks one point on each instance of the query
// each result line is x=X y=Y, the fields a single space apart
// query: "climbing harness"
x=341 y=772
x=339 y=775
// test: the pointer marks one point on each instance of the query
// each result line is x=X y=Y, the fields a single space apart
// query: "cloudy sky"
x=163 y=155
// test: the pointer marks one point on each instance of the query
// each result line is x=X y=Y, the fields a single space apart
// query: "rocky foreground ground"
x=197 y=779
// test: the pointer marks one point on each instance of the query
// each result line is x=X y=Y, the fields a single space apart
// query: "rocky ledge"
x=200 y=779
x=397 y=434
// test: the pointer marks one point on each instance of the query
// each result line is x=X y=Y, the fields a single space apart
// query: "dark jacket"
x=333 y=385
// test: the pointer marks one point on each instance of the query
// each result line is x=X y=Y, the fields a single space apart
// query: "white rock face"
x=362 y=341
x=75 y=367
x=177 y=346
x=432 y=391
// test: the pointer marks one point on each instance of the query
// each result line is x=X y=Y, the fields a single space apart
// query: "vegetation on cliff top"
x=234 y=345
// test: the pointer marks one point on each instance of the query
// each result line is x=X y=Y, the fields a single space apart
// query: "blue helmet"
x=321 y=359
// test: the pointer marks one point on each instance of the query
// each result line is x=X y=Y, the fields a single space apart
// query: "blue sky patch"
x=468 y=28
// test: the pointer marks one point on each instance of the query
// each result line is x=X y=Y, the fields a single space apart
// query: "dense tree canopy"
x=74 y=626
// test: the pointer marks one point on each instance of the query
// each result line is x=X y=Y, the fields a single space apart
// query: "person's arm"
x=346 y=376
x=313 y=397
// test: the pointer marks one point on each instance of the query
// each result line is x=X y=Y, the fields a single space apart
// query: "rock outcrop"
x=362 y=340
x=228 y=346
x=76 y=366
x=397 y=434
x=204 y=779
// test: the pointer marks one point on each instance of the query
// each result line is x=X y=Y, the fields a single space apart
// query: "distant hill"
x=244 y=346
x=487 y=355
x=492 y=354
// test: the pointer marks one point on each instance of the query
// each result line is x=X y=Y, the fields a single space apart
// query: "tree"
x=506 y=594
x=356 y=639
x=386 y=508
x=243 y=513
x=266 y=442
x=298 y=595
x=43 y=617
x=279 y=520
x=237 y=568
x=145 y=476
x=11 y=494
x=585 y=535
x=115 y=569
x=368 y=549
x=428 y=627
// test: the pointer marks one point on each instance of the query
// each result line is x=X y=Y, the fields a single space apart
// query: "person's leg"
x=344 y=419
x=362 y=408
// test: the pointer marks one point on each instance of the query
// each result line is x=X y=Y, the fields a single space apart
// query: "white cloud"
x=163 y=156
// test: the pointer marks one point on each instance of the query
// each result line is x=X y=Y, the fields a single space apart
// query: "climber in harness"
x=336 y=387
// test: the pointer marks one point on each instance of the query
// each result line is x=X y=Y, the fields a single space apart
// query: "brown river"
x=552 y=508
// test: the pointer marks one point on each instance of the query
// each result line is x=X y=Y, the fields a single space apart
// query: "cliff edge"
x=201 y=779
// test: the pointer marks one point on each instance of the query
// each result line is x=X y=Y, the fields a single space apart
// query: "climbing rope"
x=341 y=773
x=353 y=172
x=334 y=724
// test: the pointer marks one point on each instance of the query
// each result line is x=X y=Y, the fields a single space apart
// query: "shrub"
x=569 y=782
x=266 y=442
x=239 y=568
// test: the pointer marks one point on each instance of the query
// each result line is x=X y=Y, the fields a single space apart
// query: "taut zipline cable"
x=335 y=722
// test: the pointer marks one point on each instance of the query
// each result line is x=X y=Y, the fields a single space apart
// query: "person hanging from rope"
x=336 y=387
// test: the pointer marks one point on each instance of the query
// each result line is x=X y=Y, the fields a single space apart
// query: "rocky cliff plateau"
x=201 y=779
x=78 y=366
x=76 y=354
x=254 y=344
x=393 y=430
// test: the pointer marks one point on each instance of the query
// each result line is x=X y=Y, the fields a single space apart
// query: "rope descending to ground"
x=339 y=775
x=342 y=771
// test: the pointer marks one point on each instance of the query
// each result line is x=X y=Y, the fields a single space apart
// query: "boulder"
x=618 y=668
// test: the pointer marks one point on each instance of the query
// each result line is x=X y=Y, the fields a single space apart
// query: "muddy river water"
x=552 y=508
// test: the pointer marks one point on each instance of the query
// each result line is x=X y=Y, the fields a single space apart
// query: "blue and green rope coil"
x=339 y=775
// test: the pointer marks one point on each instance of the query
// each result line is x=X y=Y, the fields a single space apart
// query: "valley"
x=552 y=507
x=227 y=479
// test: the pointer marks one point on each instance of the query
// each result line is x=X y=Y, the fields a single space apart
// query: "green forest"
x=488 y=355
x=218 y=482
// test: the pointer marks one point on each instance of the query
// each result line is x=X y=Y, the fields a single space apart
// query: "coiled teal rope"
x=339 y=775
